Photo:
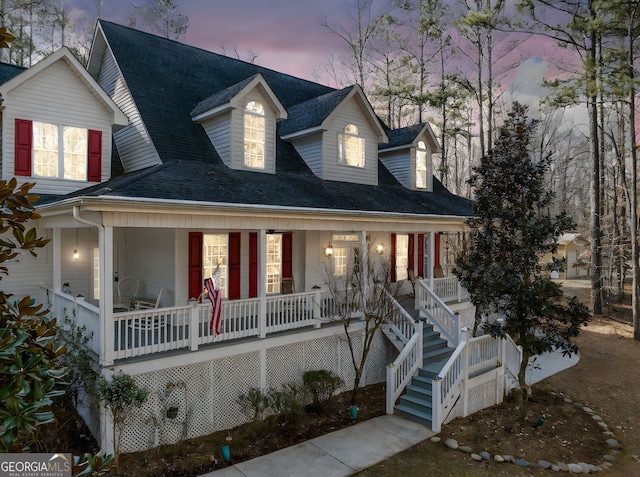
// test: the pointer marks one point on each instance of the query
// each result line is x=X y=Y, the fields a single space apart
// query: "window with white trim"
x=339 y=261
x=421 y=165
x=59 y=151
x=402 y=257
x=351 y=147
x=274 y=263
x=214 y=254
x=254 y=135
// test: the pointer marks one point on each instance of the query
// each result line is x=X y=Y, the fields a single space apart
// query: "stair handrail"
x=402 y=324
x=404 y=367
x=438 y=313
x=512 y=359
x=447 y=385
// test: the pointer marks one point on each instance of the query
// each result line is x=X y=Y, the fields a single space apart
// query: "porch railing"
x=143 y=332
x=438 y=313
x=449 y=290
x=82 y=313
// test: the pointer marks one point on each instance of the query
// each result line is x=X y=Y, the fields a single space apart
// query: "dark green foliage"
x=322 y=385
x=29 y=360
x=510 y=232
x=120 y=395
x=254 y=403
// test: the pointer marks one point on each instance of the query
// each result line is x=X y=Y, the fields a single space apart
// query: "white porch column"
x=57 y=259
x=364 y=256
x=105 y=247
x=262 y=282
x=432 y=256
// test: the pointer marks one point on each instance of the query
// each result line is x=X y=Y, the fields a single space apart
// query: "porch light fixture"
x=328 y=250
x=76 y=255
x=380 y=248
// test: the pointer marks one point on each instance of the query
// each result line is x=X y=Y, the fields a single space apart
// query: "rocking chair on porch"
x=127 y=291
x=412 y=279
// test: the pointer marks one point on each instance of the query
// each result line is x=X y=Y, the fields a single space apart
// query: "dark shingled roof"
x=168 y=80
x=313 y=112
x=402 y=136
x=8 y=71
x=220 y=98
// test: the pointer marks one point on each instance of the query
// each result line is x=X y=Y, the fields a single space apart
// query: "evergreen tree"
x=509 y=232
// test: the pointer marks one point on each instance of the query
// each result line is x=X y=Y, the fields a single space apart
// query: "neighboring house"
x=223 y=165
x=571 y=248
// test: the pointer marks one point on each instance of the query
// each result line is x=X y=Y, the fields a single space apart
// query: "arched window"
x=421 y=166
x=254 y=135
x=350 y=147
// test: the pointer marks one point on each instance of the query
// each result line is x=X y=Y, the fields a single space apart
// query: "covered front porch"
x=273 y=271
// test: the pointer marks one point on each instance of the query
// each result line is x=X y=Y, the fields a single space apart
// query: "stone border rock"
x=574 y=468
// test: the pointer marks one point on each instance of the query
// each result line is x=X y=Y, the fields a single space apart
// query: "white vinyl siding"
x=55 y=96
x=310 y=149
x=218 y=129
x=133 y=142
x=399 y=164
x=350 y=112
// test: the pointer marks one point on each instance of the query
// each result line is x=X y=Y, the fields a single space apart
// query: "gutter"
x=138 y=202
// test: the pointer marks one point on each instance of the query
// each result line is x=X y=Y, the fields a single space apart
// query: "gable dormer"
x=408 y=156
x=56 y=126
x=337 y=135
x=241 y=122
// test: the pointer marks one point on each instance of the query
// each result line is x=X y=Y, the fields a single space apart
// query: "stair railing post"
x=436 y=411
x=419 y=328
x=465 y=370
x=391 y=369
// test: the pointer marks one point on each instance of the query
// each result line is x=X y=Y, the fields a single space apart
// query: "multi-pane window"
x=339 y=261
x=214 y=255
x=254 y=135
x=402 y=257
x=59 y=151
x=351 y=147
x=274 y=262
x=421 y=166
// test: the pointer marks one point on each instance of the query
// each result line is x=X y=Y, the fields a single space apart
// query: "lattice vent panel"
x=232 y=377
x=481 y=397
x=323 y=354
x=379 y=356
x=285 y=364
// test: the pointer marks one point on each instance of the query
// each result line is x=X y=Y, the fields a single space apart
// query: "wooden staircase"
x=416 y=403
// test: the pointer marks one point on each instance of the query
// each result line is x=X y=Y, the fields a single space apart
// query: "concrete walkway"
x=350 y=450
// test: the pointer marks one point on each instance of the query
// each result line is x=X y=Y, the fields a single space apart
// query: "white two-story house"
x=162 y=163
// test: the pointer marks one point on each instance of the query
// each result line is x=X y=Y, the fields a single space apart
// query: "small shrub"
x=288 y=402
x=322 y=385
x=255 y=403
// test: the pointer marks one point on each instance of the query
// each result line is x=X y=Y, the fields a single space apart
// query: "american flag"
x=215 y=295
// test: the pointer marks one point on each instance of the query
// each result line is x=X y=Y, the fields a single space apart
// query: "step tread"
x=413 y=415
x=425 y=403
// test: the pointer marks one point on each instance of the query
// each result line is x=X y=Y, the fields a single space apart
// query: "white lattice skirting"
x=206 y=393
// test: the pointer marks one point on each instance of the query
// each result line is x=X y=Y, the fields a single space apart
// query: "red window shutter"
x=287 y=255
x=23 y=147
x=411 y=253
x=234 y=266
x=392 y=257
x=94 y=156
x=196 y=284
x=253 y=265
x=436 y=251
x=421 y=255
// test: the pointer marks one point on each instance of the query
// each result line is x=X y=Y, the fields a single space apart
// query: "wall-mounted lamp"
x=380 y=248
x=76 y=254
x=328 y=250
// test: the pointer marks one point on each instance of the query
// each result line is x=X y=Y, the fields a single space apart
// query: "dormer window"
x=421 y=165
x=254 y=135
x=350 y=147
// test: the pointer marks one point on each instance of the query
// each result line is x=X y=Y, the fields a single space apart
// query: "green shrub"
x=322 y=385
x=255 y=403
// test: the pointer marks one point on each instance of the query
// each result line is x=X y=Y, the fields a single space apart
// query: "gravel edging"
x=573 y=467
